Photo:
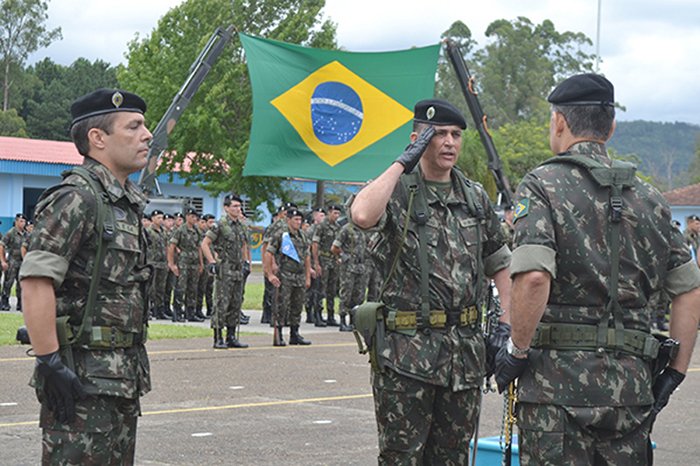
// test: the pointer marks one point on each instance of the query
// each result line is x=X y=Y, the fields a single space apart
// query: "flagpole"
x=320 y=190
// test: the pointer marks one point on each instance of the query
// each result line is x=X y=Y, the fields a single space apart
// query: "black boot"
x=176 y=314
x=310 y=319
x=219 y=339
x=319 y=320
x=231 y=340
x=343 y=326
x=245 y=319
x=296 y=339
x=167 y=312
x=191 y=316
x=4 y=303
x=201 y=315
x=19 y=303
x=266 y=317
x=278 y=339
x=330 y=321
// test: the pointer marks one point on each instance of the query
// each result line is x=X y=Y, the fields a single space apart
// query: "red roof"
x=36 y=150
x=690 y=195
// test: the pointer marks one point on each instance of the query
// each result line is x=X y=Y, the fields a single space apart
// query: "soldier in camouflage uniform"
x=230 y=238
x=314 y=298
x=190 y=264
x=270 y=298
x=290 y=249
x=157 y=245
x=351 y=246
x=90 y=391
x=692 y=234
x=205 y=285
x=375 y=281
x=427 y=395
x=12 y=243
x=168 y=222
x=586 y=394
x=325 y=262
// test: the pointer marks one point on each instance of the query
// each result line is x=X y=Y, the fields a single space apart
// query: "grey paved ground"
x=271 y=406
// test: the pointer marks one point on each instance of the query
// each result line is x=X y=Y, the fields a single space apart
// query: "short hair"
x=79 y=131
x=593 y=121
x=418 y=126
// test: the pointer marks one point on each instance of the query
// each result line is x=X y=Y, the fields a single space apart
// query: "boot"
x=191 y=316
x=296 y=339
x=278 y=339
x=167 y=312
x=4 y=303
x=231 y=340
x=310 y=318
x=19 y=303
x=319 y=320
x=200 y=315
x=219 y=339
x=330 y=321
x=245 y=319
x=266 y=317
x=343 y=326
x=176 y=314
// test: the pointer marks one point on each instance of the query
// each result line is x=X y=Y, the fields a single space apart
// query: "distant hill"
x=666 y=149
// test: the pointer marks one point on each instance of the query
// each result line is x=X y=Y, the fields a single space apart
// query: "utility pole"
x=597 y=42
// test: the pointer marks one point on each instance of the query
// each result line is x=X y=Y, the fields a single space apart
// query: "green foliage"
x=12 y=124
x=9 y=323
x=22 y=31
x=213 y=133
x=47 y=109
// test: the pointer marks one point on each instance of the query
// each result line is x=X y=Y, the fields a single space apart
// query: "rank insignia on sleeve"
x=522 y=208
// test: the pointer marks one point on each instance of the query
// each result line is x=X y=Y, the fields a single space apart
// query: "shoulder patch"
x=522 y=208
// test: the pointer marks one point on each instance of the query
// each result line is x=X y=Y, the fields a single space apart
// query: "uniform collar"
x=112 y=186
x=594 y=150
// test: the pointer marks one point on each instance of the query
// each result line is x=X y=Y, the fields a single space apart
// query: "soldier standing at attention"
x=89 y=387
x=270 y=301
x=292 y=276
x=314 y=300
x=592 y=243
x=230 y=238
x=205 y=285
x=692 y=234
x=190 y=265
x=351 y=246
x=12 y=243
x=426 y=393
x=327 y=268
x=157 y=245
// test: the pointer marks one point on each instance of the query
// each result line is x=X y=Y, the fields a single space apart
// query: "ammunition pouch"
x=328 y=255
x=368 y=325
x=585 y=337
x=409 y=320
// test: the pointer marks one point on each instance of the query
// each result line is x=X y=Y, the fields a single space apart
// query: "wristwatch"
x=514 y=350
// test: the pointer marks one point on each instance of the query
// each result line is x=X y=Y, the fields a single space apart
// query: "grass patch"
x=253 y=297
x=9 y=323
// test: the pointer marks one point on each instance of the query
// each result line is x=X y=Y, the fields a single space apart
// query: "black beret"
x=178 y=215
x=693 y=217
x=583 y=89
x=29 y=222
x=21 y=215
x=438 y=112
x=320 y=209
x=294 y=212
x=191 y=211
x=233 y=197
x=167 y=216
x=676 y=223
x=156 y=212
x=106 y=101
x=208 y=217
x=146 y=216
x=334 y=207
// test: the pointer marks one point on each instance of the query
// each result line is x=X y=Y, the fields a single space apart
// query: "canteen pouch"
x=369 y=326
x=64 y=331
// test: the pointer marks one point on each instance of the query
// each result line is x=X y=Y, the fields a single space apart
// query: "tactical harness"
x=609 y=335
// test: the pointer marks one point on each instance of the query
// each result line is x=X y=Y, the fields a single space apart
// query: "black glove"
x=508 y=368
x=665 y=384
x=409 y=159
x=213 y=269
x=497 y=340
x=246 y=269
x=61 y=386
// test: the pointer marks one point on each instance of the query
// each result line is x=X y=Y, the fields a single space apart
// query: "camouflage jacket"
x=692 y=240
x=13 y=243
x=451 y=357
x=157 y=244
x=562 y=227
x=228 y=237
x=188 y=242
x=63 y=247
x=290 y=271
x=324 y=234
x=272 y=230
x=353 y=244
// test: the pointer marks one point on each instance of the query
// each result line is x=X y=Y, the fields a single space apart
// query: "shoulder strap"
x=618 y=177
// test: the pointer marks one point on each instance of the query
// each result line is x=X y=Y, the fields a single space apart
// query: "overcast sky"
x=650 y=49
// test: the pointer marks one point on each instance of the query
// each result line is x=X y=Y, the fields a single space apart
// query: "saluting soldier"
x=11 y=244
x=157 y=246
x=351 y=246
x=190 y=264
x=325 y=262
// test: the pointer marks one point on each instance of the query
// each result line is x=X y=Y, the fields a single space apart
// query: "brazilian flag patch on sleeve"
x=522 y=208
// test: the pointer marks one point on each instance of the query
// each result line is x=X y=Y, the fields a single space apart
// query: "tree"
x=213 y=133
x=22 y=32
x=12 y=124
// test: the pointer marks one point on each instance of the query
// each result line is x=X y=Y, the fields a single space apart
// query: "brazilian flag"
x=330 y=115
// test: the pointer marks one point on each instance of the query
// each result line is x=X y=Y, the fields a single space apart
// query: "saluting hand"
x=414 y=151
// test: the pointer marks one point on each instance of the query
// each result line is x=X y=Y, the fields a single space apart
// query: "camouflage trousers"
x=291 y=302
x=353 y=289
x=205 y=291
x=227 y=310
x=314 y=298
x=157 y=290
x=11 y=276
x=374 y=284
x=103 y=434
x=329 y=281
x=423 y=424
x=552 y=435
x=188 y=282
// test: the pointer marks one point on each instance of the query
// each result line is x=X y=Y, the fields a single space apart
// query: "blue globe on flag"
x=336 y=113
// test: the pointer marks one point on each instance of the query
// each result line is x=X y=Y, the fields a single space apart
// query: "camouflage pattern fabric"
x=12 y=241
x=188 y=241
x=324 y=234
x=692 y=240
x=553 y=435
x=157 y=244
x=292 y=275
x=228 y=237
x=353 y=267
x=447 y=361
x=104 y=433
x=567 y=212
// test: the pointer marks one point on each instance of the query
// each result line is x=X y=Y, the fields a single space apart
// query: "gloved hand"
x=497 y=340
x=508 y=368
x=410 y=157
x=246 y=269
x=61 y=386
x=213 y=269
x=665 y=384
